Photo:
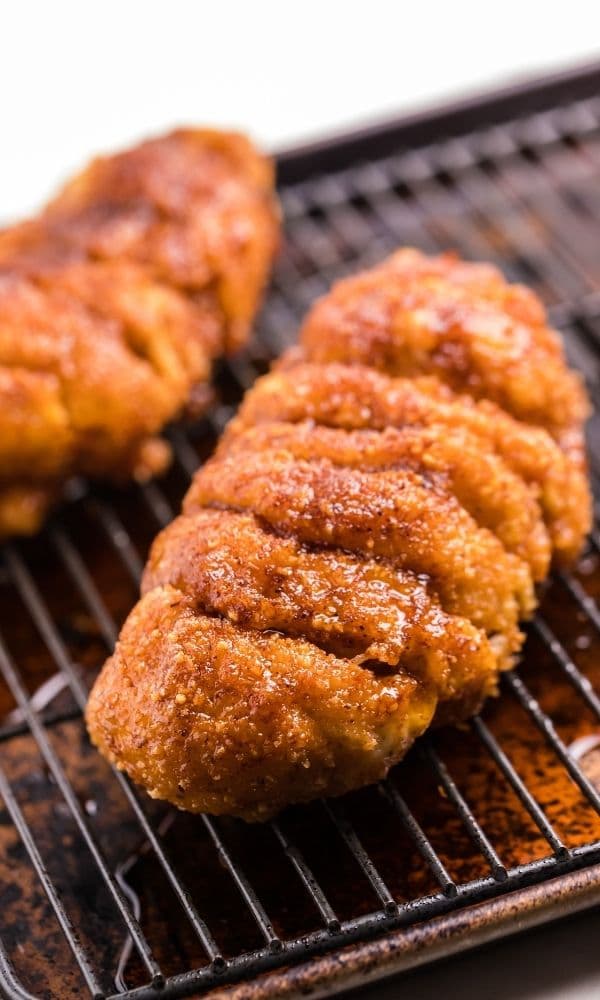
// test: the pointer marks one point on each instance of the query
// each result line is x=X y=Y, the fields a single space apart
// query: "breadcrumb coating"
x=352 y=565
x=114 y=302
x=462 y=322
x=354 y=397
x=448 y=461
x=214 y=717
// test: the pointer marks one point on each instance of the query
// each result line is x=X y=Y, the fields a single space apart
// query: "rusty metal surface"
x=442 y=937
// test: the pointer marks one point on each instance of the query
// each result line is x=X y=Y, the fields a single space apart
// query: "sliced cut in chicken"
x=447 y=460
x=369 y=611
x=214 y=717
x=353 y=563
x=354 y=397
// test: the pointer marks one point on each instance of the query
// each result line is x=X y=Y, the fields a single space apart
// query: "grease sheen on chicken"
x=352 y=565
x=114 y=302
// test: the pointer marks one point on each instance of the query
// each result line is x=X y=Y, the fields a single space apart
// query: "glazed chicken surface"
x=353 y=563
x=114 y=302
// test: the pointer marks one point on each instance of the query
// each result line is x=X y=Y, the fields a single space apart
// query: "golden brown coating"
x=367 y=610
x=353 y=563
x=23 y=506
x=418 y=315
x=350 y=603
x=113 y=304
x=194 y=207
x=214 y=717
x=355 y=397
x=449 y=461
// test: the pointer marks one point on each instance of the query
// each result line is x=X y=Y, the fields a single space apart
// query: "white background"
x=80 y=77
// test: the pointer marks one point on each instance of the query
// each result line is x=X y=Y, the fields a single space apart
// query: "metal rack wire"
x=526 y=195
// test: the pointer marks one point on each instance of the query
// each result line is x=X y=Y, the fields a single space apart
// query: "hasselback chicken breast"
x=114 y=302
x=353 y=563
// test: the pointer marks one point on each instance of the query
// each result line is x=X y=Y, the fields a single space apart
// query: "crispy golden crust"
x=214 y=717
x=394 y=514
x=353 y=563
x=368 y=610
x=114 y=302
x=462 y=322
x=194 y=207
x=355 y=397
x=450 y=461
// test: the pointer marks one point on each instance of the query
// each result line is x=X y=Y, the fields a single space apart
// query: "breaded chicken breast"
x=353 y=563
x=114 y=302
